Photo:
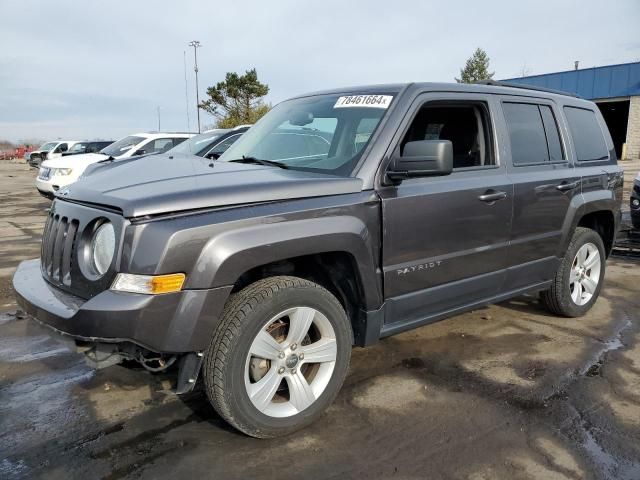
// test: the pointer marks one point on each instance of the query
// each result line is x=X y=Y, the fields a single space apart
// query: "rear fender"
x=581 y=205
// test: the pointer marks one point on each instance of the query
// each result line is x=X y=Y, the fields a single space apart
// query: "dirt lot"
x=503 y=392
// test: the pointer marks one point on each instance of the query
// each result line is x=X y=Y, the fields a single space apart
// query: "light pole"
x=196 y=44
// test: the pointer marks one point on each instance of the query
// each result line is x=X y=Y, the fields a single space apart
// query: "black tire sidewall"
x=236 y=395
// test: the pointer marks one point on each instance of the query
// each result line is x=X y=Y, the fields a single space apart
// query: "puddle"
x=9 y=469
x=610 y=345
x=610 y=468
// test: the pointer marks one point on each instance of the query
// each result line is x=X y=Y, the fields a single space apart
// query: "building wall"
x=633 y=129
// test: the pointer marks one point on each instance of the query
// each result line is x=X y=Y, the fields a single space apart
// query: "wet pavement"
x=507 y=391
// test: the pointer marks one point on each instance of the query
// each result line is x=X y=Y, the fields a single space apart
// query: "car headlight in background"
x=62 y=171
x=103 y=248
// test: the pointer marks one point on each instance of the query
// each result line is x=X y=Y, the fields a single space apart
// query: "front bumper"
x=172 y=323
x=44 y=186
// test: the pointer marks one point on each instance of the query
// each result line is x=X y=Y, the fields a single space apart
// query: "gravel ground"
x=507 y=392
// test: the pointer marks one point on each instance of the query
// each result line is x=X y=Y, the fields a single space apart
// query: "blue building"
x=616 y=91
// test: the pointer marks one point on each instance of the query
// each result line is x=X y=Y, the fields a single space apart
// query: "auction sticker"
x=375 y=101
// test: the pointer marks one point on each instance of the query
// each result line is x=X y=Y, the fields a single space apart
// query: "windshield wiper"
x=110 y=158
x=259 y=161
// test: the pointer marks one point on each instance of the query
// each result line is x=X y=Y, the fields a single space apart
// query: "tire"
x=231 y=370
x=560 y=298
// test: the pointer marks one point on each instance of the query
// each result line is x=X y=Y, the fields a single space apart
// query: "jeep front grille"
x=58 y=248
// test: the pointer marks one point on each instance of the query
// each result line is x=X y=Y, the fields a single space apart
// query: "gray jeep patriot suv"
x=340 y=218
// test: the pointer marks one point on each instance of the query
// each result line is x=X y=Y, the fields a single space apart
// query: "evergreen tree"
x=476 y=68
x=237 y=100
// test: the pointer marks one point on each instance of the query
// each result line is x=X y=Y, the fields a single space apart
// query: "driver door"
x=445 y=238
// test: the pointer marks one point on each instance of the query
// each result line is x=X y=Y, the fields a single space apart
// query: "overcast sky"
x=81 y=69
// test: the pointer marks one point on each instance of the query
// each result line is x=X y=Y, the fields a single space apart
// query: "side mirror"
x=213 y=155
x=422 y=158
x=139 y=152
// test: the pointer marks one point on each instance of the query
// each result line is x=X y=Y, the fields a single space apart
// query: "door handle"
x=491 y=196
x=565 y=187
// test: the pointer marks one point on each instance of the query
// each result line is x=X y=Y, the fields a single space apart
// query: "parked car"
x=87 y=147
x=635 y=203
x=210 y=144
x=55 y=174
x=50 y=151
x=260 y=270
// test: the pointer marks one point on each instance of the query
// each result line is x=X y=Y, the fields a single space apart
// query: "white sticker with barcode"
x=375 y=101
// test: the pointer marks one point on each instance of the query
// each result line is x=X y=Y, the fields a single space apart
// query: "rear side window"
x=587 y=135
x=553 y=137
x=526 y=133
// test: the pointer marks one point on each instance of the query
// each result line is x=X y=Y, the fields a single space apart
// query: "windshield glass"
x=322 y=133
x=199 y=144
x=122 y=146
x=48 y=146
x=78 y=147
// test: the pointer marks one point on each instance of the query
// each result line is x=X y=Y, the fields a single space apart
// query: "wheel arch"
x=597 y=210
x=337 y=251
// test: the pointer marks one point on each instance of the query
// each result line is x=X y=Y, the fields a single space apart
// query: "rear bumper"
x=173 y=323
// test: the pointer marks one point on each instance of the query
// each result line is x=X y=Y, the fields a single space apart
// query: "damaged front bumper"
x=177 y=324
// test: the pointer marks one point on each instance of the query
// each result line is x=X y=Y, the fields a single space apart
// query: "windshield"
x=322 y=133
x=78 y=147
x=48 y=146
x=199 y=144
x=122 y=146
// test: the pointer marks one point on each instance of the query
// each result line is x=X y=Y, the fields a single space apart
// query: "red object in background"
x=19 y=152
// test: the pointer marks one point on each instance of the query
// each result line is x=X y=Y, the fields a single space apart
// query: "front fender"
x=228 y=255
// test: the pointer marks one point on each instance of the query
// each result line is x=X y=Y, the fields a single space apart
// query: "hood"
x=70 y=161
x=170 y=183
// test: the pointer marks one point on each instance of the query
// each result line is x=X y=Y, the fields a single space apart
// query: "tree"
x=237 y=100
x=476 y=68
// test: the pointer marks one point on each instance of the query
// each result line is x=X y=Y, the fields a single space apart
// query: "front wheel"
x=279 y=356
x=578 y=281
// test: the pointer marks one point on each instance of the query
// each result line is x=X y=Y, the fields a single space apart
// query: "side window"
x=221 y=147
x=587 y=135
x=159 y=145
x=466 y=125
x=553 y=135
x=526 y=133
x=364 y=131
x=317 y=145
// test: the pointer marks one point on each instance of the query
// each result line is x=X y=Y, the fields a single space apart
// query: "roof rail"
x=498 y=83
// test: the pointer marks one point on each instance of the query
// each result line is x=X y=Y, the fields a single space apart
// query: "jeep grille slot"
x=58 y=242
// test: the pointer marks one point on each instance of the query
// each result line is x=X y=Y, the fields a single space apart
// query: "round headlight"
x=103 y=248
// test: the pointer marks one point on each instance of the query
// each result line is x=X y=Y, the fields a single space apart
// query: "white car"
x=60 y=172
x=49 y=151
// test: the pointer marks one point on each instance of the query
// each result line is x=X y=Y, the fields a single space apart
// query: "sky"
x=86 y=70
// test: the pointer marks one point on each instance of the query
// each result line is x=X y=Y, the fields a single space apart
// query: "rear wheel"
x=578 y=281
x=279 y=357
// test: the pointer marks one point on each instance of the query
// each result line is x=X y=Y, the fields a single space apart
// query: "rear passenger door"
x=545 y=182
